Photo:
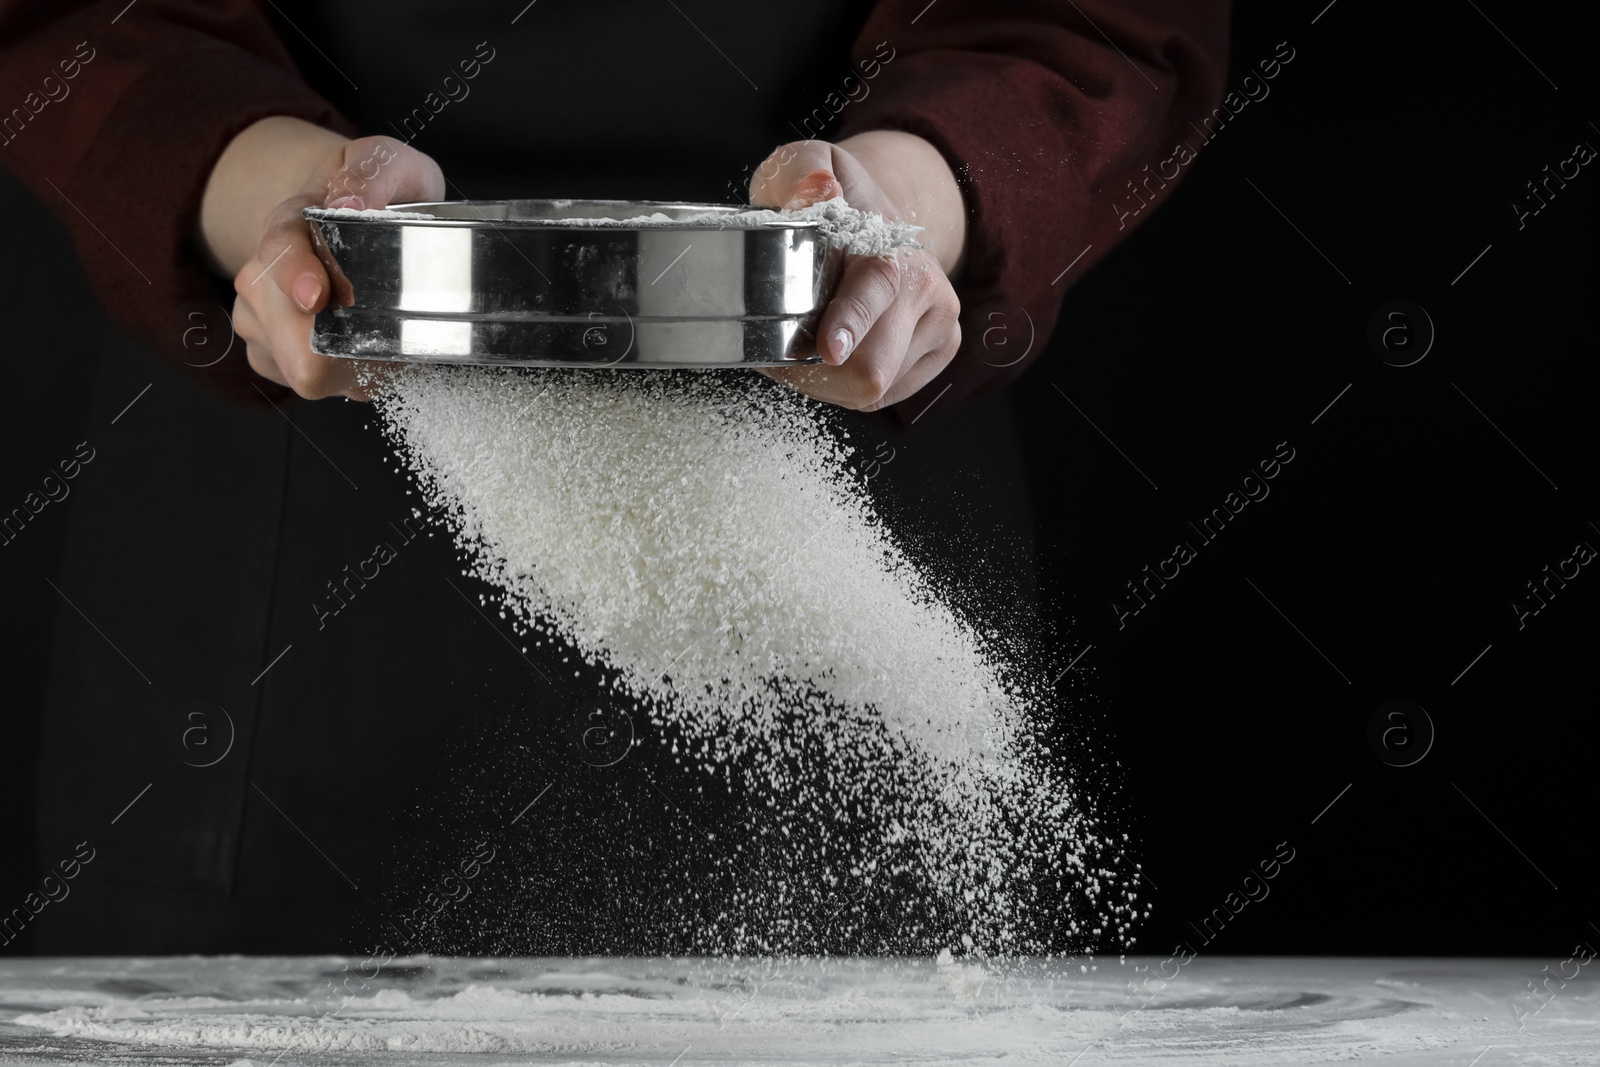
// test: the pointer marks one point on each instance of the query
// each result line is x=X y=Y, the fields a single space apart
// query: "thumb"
x=378 y=171
x=285 y=252
x=796 y=175
x=373 y=172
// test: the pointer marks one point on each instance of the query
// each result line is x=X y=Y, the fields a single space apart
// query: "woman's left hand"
x=893 y=324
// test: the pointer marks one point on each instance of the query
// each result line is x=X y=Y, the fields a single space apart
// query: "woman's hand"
x=892 y=326
x=251 y=226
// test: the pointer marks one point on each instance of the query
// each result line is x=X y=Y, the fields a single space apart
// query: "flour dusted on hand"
x=861 y=233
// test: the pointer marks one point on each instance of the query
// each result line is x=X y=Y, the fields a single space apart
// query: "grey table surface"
x=433 y=1010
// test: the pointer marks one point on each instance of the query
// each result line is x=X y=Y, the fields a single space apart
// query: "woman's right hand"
x=251 y=204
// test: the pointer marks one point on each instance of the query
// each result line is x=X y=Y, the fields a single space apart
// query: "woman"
x=365 y=751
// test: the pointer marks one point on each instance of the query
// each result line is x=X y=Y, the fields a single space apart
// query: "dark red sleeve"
x=114 y=114
x=1046 y=110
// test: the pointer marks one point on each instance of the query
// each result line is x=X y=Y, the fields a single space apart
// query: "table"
x=1139 y=1010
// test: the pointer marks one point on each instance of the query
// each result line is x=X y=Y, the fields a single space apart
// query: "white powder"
x=861 y=233
x=363 y=213
x=964 y=980
x=284 y=1012
x=703 y=537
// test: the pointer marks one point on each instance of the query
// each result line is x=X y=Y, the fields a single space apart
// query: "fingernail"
x=306 y=291
x=353 y=202
x=843 y=342
x=814 y=188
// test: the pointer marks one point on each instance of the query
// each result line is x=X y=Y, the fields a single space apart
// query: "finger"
x=795 y=175
x=257 y=352
x=317 y=377
x=862 y=383
x=285 y=253
x=906 y=349
x=859 y=389
x=263 y=301
x=373 y=172
x=285 y=334
x=885 y=354
x=867 y=290
x=937 y=341
x=262 y=363
x=876 y=363
x=379 y=171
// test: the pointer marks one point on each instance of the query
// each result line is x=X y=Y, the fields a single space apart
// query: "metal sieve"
x=519 y=282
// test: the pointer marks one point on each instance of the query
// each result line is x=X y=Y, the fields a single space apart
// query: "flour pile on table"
x=703 y=538
x=307 y=1010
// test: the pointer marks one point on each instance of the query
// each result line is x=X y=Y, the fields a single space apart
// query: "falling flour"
x=705 y=541
x=703 y=538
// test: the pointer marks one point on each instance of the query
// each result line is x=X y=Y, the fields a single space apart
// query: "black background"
x=1395 y=541
x=1390 y=549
